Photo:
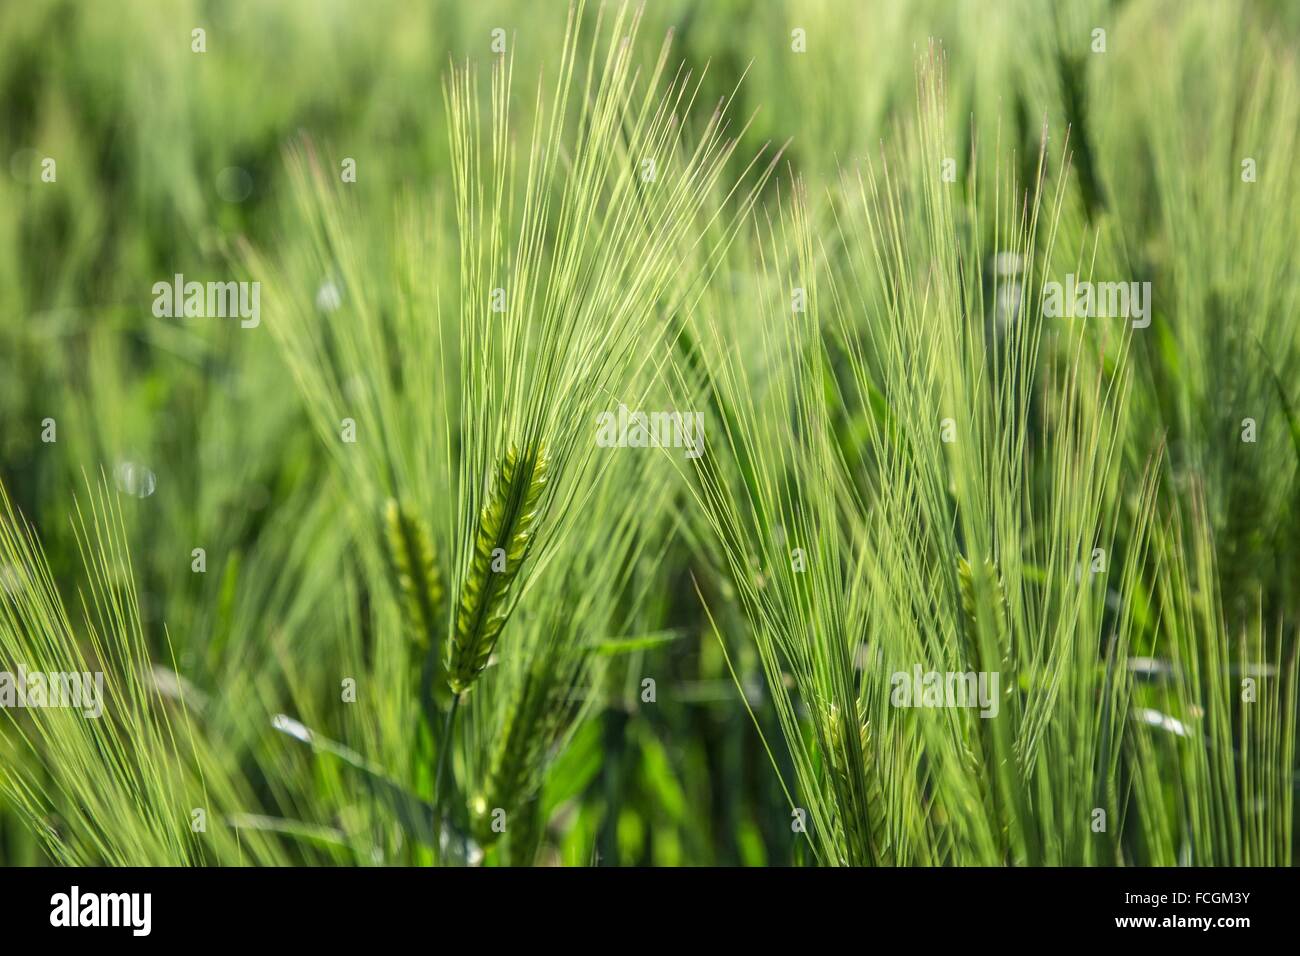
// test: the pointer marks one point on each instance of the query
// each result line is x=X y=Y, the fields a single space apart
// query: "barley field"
x=797 y=432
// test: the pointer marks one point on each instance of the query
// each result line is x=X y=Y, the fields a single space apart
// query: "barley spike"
x=966 y=582
x=869 y=838
x=505 y=525
x=410 y=548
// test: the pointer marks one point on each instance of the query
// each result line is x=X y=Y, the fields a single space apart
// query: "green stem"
x=444 y=745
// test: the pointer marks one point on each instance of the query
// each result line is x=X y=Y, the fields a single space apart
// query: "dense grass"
x=435 y=621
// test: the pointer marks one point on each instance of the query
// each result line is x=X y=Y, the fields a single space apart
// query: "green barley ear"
x=966 y=583
x=533 y=720
x=410 y=548
x=841 y=739
x=505 y=528
x=880 y=843
x=512 y=761
x=980 y=752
